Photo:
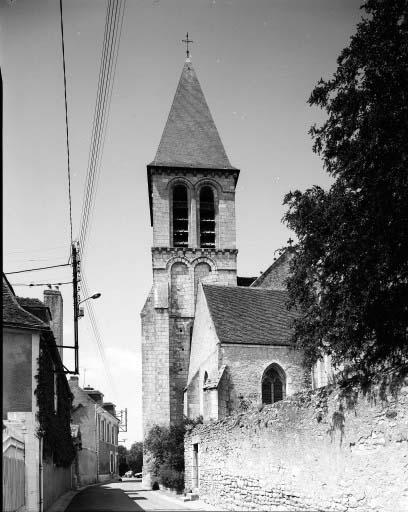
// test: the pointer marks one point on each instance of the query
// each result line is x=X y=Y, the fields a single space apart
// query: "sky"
x=257 y=62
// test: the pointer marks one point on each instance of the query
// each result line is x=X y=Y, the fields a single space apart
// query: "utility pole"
x=75 y=267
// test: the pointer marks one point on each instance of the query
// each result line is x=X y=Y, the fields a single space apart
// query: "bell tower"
x=191 y=187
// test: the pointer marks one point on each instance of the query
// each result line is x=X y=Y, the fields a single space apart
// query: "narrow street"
x=128 y=496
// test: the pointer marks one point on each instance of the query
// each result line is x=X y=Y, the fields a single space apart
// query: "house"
x=97 y=461
x=36 y=399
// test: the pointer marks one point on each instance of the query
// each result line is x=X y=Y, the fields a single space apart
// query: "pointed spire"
x=190 y=137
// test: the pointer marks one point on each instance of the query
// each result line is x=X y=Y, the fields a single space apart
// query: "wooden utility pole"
x=75 y=265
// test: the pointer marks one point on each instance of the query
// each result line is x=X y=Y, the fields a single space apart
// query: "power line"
x=96 y=333
x=105 y=88
x=38 y=268
x=66 y=119
x=110 y=49
x=40 y=284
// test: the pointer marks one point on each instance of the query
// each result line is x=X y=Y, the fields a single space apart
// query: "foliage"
x=55 y=427
x=171 y=478
x=350 y=271
x=135 y=457
x=122 y=459
x=166 y=448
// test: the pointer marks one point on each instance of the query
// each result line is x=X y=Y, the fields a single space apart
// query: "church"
x=211 y=344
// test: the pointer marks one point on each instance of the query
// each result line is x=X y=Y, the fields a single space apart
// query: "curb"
x=62 y=503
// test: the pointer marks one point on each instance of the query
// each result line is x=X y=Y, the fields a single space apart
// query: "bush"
x=165 y=446
x=171 y=478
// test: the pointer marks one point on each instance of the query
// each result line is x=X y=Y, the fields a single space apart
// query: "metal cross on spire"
x=187 y=41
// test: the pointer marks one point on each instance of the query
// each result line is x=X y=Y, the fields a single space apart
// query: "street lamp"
x=94 y=296
x=79 y=313
x=80 y=310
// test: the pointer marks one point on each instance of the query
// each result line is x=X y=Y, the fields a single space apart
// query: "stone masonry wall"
x=247 y=363
x=223 y=184
x=274 y=277
x=167 y=319
x=326 y=450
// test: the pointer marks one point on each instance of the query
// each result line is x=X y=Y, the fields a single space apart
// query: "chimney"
x=94 y=394
x=110 y=407
x=53 y=299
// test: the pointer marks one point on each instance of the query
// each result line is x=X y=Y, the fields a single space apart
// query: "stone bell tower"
x=192 y=211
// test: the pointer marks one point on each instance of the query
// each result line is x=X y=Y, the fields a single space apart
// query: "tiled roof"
x=14 y=315
x=190 y=138
x=35 y=307
x=30 y=302
x=249 y=315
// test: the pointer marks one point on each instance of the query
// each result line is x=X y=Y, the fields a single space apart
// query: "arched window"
x=207 y=218
x=205 y=378
x=273 y=385
x=180 y=216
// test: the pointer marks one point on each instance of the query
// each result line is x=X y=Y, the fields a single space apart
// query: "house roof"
x=16 y=316
x=253 y=316
x=35 y=307
x=190 y=137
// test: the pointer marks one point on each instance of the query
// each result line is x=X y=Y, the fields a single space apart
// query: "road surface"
x=128 y=496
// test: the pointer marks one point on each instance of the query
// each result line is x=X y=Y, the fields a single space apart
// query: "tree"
x=350 y=271
x=135 y=457
x=165 y=446
x=122 y=457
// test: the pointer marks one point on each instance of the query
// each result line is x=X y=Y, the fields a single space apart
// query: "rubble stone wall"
x=327 y=450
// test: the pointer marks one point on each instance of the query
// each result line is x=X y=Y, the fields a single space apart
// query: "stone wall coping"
x=301 y=400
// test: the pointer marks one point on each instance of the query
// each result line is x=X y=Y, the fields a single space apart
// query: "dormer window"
x=180 y=216
x=207 y=218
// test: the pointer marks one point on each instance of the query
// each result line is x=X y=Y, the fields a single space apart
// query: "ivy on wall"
x=55 y=425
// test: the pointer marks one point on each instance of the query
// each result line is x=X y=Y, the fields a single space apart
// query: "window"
x=207 y=218
x=180 y=216
x=273 y=385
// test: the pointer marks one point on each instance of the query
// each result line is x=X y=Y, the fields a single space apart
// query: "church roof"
x=254 y=316
x=275 y=275
x=190 y=137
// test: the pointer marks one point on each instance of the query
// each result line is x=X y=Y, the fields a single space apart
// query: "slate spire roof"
x=190 y=137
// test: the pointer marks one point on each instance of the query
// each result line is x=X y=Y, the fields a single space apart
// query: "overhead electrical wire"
x=38 y=268
x=66 y=120
x=96 y=333
x=111 y=43
x=40 y=284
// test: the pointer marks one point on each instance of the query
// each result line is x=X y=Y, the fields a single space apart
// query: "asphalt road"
x=126 y=496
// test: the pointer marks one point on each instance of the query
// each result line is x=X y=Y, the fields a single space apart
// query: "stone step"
x=191 y=496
